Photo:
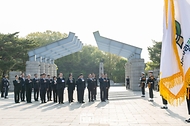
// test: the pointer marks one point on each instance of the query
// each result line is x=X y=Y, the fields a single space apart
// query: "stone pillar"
x=101 y=68
x=42 y=67
x=12 y=78
x=47 y=68
x=33 y=67
x=134 y=67
x=54 y=70
x=51 y=70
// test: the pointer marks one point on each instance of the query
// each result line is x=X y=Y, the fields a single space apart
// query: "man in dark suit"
x=95 y=83
x=81 y=85
x=22 y=81
x=90 y=88
x=28 y=86
x=17 y=89
x=36 y=86
x=49 y=90
x=43 y=88
x=60 y=87
x=107 y=85
x=102 y=81
x=71 y=87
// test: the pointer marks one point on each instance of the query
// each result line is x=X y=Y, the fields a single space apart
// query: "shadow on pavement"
x=174 y=115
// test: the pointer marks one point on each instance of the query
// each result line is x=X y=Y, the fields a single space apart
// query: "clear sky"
x=135 y=22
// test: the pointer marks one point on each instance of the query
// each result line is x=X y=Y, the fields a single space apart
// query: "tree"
x=155 y=54
x=87 y=61
x=13 y=52
x=44 y=38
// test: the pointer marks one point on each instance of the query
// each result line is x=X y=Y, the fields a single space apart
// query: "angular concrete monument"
x=135 y=64
x=41 y=60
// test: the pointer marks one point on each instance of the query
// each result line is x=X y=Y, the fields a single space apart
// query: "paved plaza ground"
x=124 y=108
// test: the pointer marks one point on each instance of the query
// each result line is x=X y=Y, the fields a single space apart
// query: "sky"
x=135 y=22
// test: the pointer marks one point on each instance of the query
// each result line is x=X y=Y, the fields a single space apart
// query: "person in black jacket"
x=188 y=102
x=71 y=87
x=2 y=87
x=22 y=81
x=102 y=81
x=28 y=86
x=90 y=88
x=6 y=84
x=17 y=89
x=81 y=85
x=60 y=87
x=43 y=88
x=95 y=83
x=36 y=86
x=107 y=85
x=142 y=83
x=54 y=87
x=49 y=88
x=150 y=83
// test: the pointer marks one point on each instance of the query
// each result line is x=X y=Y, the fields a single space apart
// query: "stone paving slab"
x=124 y=108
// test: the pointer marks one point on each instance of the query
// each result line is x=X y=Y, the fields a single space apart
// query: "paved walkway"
x=125 y=108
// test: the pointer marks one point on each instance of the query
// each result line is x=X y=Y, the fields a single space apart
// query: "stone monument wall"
x=133 y=69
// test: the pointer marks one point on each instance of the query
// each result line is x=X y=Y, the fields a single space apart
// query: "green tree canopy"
x=44 y=38
x=155 y=55
x=13 y=52
x=87 y=61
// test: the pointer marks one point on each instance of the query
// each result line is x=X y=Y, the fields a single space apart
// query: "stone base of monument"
x=33 y=67
x=133 y=69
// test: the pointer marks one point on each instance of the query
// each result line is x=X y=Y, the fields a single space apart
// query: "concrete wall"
x=133 y=69
x=33 y=67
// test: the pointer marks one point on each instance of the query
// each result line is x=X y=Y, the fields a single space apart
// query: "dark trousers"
x=164 y=101
x=55 y=95
x=143 y=89
x=90 y=94
x=36 y=94
x=49 y=94
x=151 y=92
x=28 y=95
x=80 y=95
x=95 y=93
x=43 y=95
x=2 y=92
x=16 y=96
x=70 y=95
x=22 y=93
x=6 y=91
x=107 y=92
x=102 y=94
x=60 y=95
x=188 y=105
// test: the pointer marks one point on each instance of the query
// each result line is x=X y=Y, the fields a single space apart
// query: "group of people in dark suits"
x=44 y=86
x=4 y=87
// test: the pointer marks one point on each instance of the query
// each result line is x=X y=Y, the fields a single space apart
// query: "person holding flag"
x=175 y=54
